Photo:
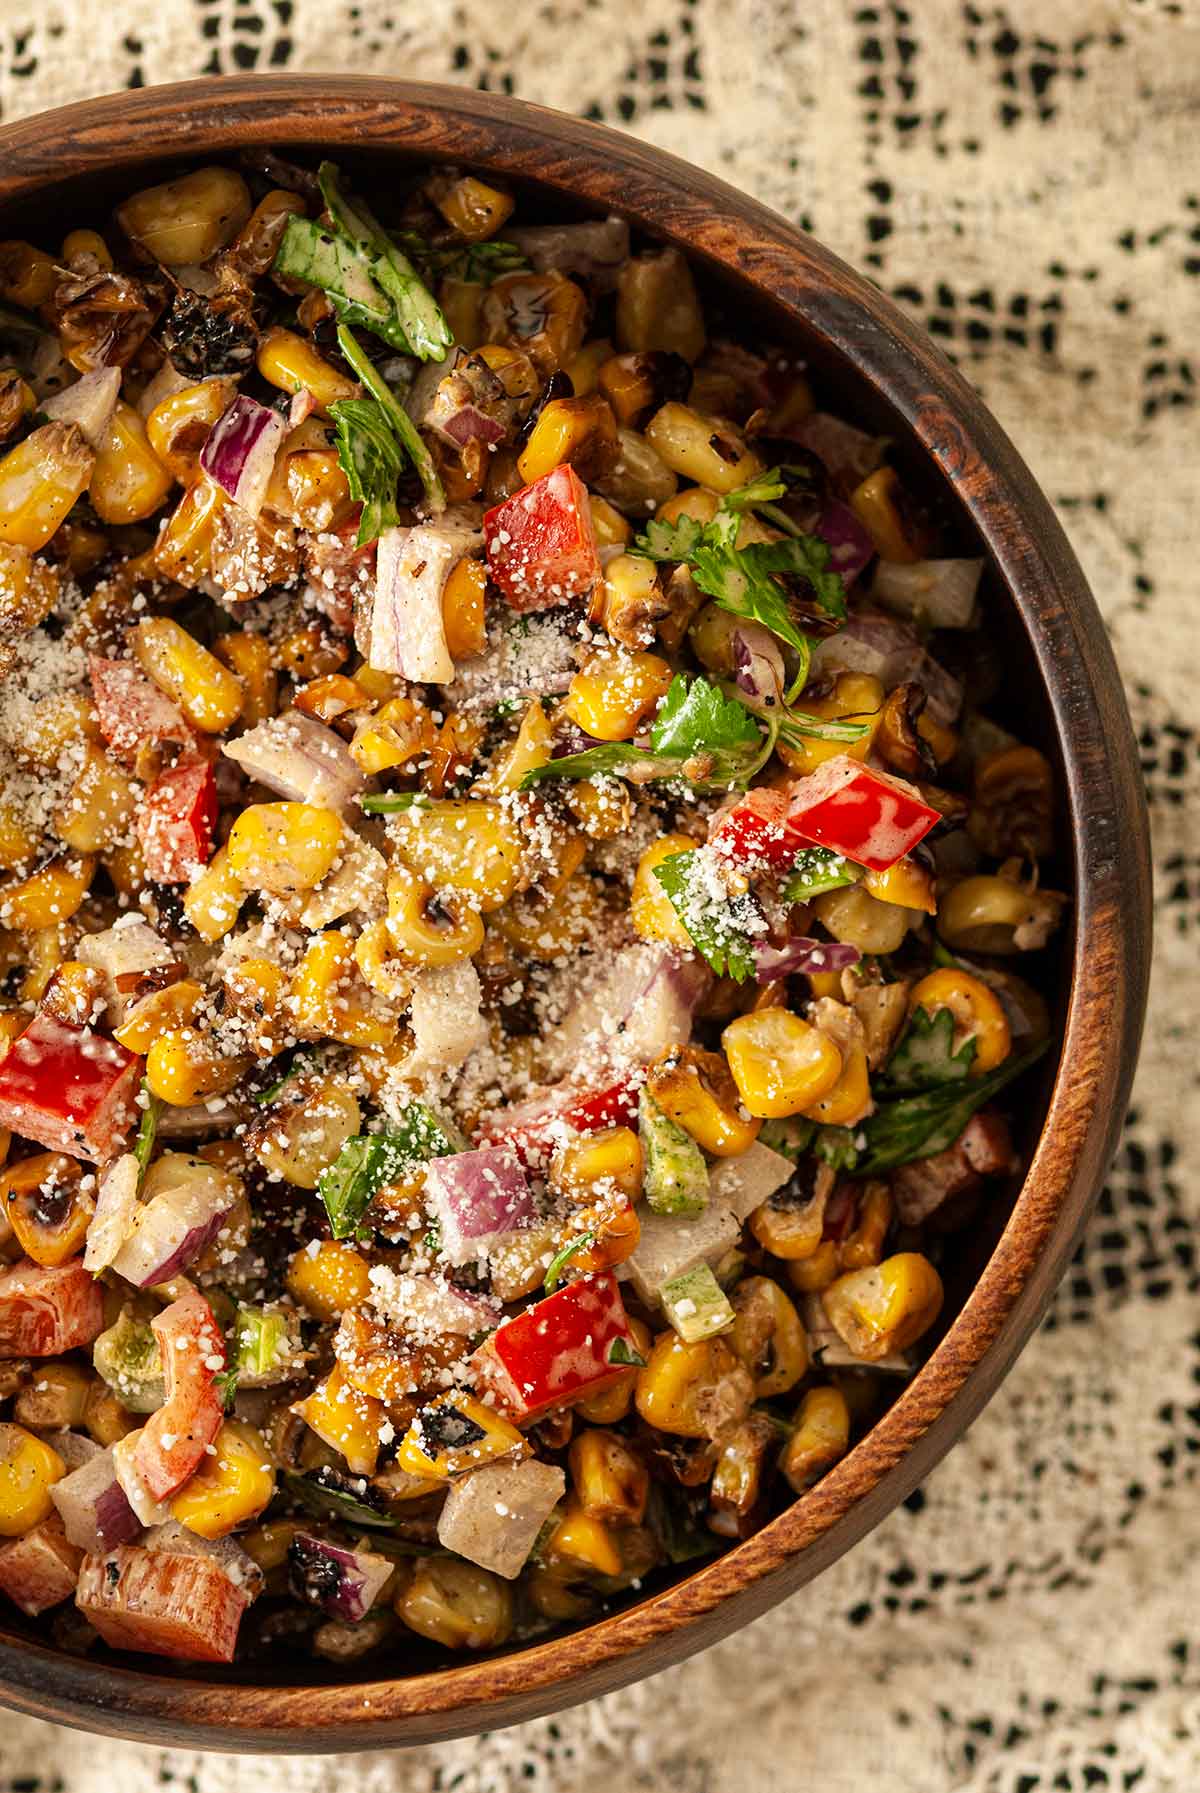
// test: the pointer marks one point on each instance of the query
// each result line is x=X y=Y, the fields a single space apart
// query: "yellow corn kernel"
x=615 y=693
x=212 y=901
x=610 y=1482
x=545 y=929
x=815 y=1272
x=328 y=1277
x=581 y=431
x=697 y=502
x=423 y=932
x=28 y=276
x=471 y=847
x=530 y=748
x=768 y=1336
x=184 y=221
x=249 y=657
x=45 y=949
x=99 y=806
x=977 y=1012
x=346 y=1420
x=602 y=807
x=629 y=601
x=781 y=1064
x=128 y=481
x=856 y=697
x=283 y=846
x=462 y=303
x=390 y=977
x=40 y=479
x=55 y=726
x=472 y=207
x=584 y=1541
x=163 y=1011
x=19 y=839
x=183 y=1067
x=332 y=696
x=906 y=883
x=864 y=1246
x=611 y=1158
x=658 y=306
x=230 y=1487
x=311 y=652
x=687 y=1389
x=874 y=504
x=821 y=1437
x=456 y=1604
x=290 y=362
x=709 y=450
x=431 y=1445
x=849 y=1101
x=694 y=1088
x=988 y=913
x=462 y=609
x=853 y=915
x=584 y=368
x=269 y=1544
x=105 y=1419
x=49 y=896
x=308 y=485
x=885 y=1308
x=209 y=695
x=326 y=995
x=612 y=530
x=650 y=908
x=628 y=383
x=28 y=1471
x=256 y=988
x=183 y=551
x=177 y=428
x=540 y=315
x=20 y=1188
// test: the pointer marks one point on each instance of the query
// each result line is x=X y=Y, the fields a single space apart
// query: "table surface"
x=1024 y=179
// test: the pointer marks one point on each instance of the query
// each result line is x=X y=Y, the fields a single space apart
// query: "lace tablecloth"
x=1024 y=178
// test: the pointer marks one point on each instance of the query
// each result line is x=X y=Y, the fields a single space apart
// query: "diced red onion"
x=848 y=453
x=405 y=633
x=94 y=1508
x=343 y=1583
x=301 y=759
x=887 y=649
x=850 y=546
x=89 y=403
x=595 y=248
x=940 y=593
x=493 y=1516
x=470 y=424
x=758 y=667
x=116 y=1213
x=477 y=1198
x=175 y=1226
x=239 y=455
x=801 y=956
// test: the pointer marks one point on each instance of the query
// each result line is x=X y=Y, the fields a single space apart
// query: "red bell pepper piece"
x=45 y=1309
x=559 y=1350
x=757 y=830
x=533 y=1128
x=175 y=824
x=71 y=1089
x=867 y=816
x=161 y=1603
x=173 y=1441
x=131 y=709
x=541 y=547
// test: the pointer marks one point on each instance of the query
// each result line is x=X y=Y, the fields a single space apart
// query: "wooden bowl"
x=60 y=167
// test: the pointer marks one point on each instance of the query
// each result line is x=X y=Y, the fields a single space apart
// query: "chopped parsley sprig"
x=383 y=416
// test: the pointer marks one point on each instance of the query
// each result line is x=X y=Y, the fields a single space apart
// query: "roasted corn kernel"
x=820 y=1439
x=650 y=909
x=709 y=450
x=283 y=846
x=327 y=1277
x=209 y=695
x=886 y=1308
x=694 y=1088
x=978 y=1014
x=780 y=1064
x=693 y=1391
x=232 y=1486
x=29 y=1469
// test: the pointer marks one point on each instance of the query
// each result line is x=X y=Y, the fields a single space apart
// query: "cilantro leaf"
x=925 y=1056
x=816 y=870
x=720 y=926
x=670 y=541
x=699 y=718
x=403 y=428
x=372 y=460
x=369 y=1160
x=920 y=1126
x=561 y=1259
x=837 y=1147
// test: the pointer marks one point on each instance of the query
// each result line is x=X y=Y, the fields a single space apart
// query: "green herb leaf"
x=816 y=870
x=402 y=425
x=721 y=927
x=670 y=541
x=369 y=1160
x=797 y=726
x=561 y=1259
x=925 y=1056
x=372 y=461
x=343 y=272
x=920 y=1126
x=143 y=1145
x=791 y=1138
x=837 y=1147
x=392 y=802
x=416 y=310
x=699 y=718
x=620 y=1352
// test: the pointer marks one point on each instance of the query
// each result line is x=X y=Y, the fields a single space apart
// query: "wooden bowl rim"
x=717 y=224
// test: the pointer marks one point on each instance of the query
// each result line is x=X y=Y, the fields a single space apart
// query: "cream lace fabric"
x=1024 y=178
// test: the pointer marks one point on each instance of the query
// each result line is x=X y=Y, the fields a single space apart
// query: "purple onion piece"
x=850 y=546
x=239 y=455
x=171 y=1232
x=343 y=1583
x=300 y=759
x=801 y=955
x=758 y=668
x=595 y=248
x=470 y=424
x=92 y=1505
x=848 y=453
x=477 y=1198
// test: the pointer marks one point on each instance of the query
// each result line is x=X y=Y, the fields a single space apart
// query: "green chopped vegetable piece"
x=621 y=1352
x=369 y=1160
x=696 y=1305
x=263 y=1343
x=401 y=423
x=837 y=1147
x=392 y=802
x=561 y=1259
x=721 y=927
x=791 y=1138
x=323 y=1493
x=426 y=333
x=925 y=1057
x=127 y=1357
x=143 y=1145
x=226 y=1384
x=816 y=870
x=343 y=271
x=698 y=718
x=676 y=1175
x=920 y=1126
x=372 y=461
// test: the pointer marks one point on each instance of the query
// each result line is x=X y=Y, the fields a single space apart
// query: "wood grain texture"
x=51 y=163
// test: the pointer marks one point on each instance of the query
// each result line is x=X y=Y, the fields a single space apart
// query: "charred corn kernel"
x=853 y=915
x=474 y=209
x=28 y=276
x=346 y=1420
x=105 y=1419
x=183 y=551
x=28 y=1471
x=611 y=1404
x=30 y=587
x=76 y=994
x=184 y=221
x=977 y=1012
x=856 y=697
x=542 y=315
x=163 y=1011
x=583 y=369
x=615 y=692
x=457 y=1604
x=629 y=385
x=1012 y=806
x=425 y=930
x=613 y=1222
x=907 y=883
x=610 y=1483
x=692 y=1391
x=584 y=1542
x=378 y=746
x=46 y=1208
x=98 y=807
x=612 y=530
x=994 y=914
x=305 y=1129
x=54 y=727
x=126 y=867
x=388 y=976
x=290 y=362
x=269 y=1544
x=328 y=999
x=312 y=652
x=849 y=1100
x=328 y=1277
x=474 y=848
x=283 y=846
x=582 y=431
x=864 y=1246
x=885 y=1308
x=308 y=485
x=40 y=479
x=49 y=896
x=874 y=502
x=212 y=901
x=182 y=1067
x=650 y=908
x=821 y=1437
x=780 y=1064
x=455 y=1433
x=451 y=754
x=462 y=609
x=209 y=695
x=602 y=806
x=815 y=1272
x=629 y=601
x=19 y=839
x=249 y=657
x=640 y=479
x=332 y=696
x=128 y=481
x=231 y=1487
x=531 y=747
x=709 y=450
x=612 y=1158
x=694 y=1088
x=768 y=1336
x=56 y=1399
x=177 y=428
x=941 y=740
